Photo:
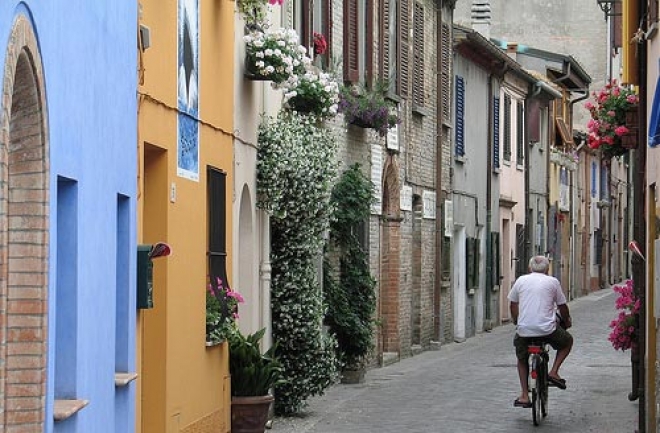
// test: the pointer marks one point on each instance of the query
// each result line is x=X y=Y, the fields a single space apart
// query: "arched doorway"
x=391 y=260
x=247 y=265
x=24 y=230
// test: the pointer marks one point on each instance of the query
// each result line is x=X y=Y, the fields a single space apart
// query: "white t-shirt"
x=536 y=295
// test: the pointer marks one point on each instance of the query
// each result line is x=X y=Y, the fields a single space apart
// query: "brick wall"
x=23 y=236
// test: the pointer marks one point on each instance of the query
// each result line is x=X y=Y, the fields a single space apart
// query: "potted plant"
x=253 y=375
x=612 y=127
x=368 y=108
x=274 y=56
x=221 y=311
x=315 y=93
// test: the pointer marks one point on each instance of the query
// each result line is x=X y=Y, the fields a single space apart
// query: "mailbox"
x=145 y=274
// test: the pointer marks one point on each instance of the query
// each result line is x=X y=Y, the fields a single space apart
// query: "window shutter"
x=216 y=208
x=534 y=121
x=446 y=73
x=385 y=40
x=652 y=12
x=469 y=263
x=497 y=270
x=520 y=128
x=307 y=23
x=616 y=24
x=418 y=53
x=520 y=250
x=460 y=112
x=404 y=47
x=351 y=42
x=475 y=266
x=507 y=128
x=496 y=132
x=593 y=179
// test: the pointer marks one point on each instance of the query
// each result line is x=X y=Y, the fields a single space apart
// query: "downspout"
x=526 y=153
x=439 y=202
x=489 y=211
x=565 y=76
x=573 y=199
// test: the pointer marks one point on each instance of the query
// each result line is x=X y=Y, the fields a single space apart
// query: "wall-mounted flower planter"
x=360 y=123
x=251 y=71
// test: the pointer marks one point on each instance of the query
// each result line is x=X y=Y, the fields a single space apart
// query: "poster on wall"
x=563 y=190
x=188 y=97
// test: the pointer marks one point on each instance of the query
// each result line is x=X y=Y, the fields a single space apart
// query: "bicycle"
x=538 y=378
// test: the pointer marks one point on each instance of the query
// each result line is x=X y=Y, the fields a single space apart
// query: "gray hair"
x=539 y=264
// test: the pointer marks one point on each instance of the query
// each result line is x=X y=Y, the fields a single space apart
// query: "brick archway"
x=24 y=237
x=391 y=265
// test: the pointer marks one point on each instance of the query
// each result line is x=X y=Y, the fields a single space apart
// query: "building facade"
x=185 y=177
x=67 y=290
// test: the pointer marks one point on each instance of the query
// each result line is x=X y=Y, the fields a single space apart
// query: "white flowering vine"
x=295 y=172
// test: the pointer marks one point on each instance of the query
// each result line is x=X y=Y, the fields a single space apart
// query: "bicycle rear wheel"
x=536 y=386
x=543 y=387
x=536 y=405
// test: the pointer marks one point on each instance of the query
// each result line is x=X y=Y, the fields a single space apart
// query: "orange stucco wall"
x=183 y=385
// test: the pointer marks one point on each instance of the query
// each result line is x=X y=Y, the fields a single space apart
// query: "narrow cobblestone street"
x=470 y=387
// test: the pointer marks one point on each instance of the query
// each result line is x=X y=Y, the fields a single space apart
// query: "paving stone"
x=470 y=387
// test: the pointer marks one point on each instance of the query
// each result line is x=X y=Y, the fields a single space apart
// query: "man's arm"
x=513 y=307
x=565 y=314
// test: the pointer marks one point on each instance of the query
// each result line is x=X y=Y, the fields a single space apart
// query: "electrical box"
x=145 y=273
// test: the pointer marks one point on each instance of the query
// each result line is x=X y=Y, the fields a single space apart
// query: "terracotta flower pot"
x=250 y=414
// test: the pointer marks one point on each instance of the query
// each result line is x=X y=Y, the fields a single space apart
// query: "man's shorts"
x=559 y=339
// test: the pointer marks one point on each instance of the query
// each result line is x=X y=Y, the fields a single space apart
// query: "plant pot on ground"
x=253 y=375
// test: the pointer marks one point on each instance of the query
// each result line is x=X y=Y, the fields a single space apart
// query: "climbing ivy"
x=295 y=173
x=350 y=297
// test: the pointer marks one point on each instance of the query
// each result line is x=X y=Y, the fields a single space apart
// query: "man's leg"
x=523 y=367
x=523 y=373
x=566 y=340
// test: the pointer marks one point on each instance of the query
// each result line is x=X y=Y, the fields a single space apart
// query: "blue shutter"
x=496 y=132
x=603 y=183
x=460 y=113
x=593 y=180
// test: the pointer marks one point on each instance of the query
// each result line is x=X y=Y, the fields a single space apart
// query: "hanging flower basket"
x=275 y=55
x=614 y=123
x=252 y=72
x=360 y=123
x=313 y=93
x=368 y=108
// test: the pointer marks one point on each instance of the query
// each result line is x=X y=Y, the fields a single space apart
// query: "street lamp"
x=607 y=6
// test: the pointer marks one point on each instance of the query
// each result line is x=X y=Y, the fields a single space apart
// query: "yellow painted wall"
x=183 y=385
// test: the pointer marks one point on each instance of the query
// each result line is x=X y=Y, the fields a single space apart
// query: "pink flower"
x=276 y=2
x=631 y=99
x=621 y=130
x=588 y=105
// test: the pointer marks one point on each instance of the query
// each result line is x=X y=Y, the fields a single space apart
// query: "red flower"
x=320 y=44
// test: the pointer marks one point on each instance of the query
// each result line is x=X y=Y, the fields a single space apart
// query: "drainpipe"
x=526 y=153
x=439 y=201
x=489 y=211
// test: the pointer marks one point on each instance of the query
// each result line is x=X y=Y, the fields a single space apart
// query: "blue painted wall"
x=89 y=56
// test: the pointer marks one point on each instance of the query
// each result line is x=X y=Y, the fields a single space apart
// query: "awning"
x=566 y=135
x=654 y=121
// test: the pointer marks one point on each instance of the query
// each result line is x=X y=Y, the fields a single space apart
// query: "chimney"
x=481 y=17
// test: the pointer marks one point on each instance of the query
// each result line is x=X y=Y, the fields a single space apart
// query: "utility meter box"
x=145 y=273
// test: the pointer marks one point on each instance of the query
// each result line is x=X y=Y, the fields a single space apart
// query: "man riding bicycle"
x=534 y=299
